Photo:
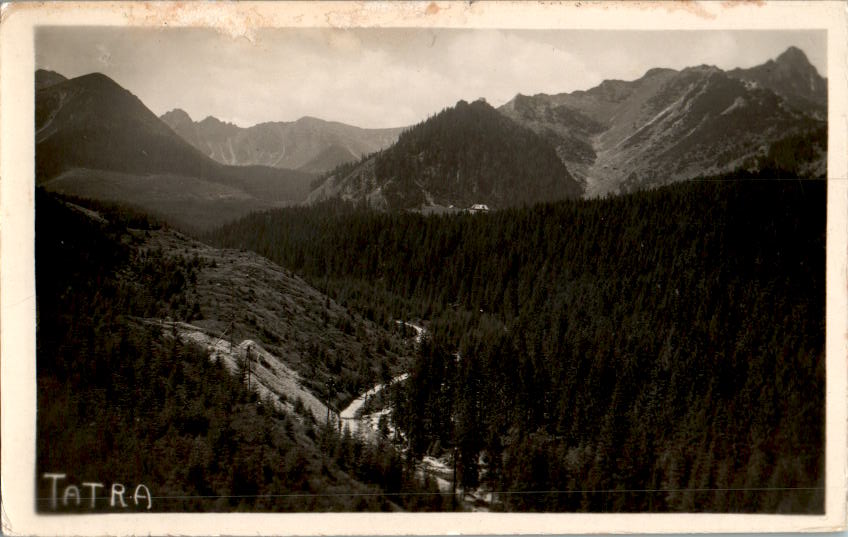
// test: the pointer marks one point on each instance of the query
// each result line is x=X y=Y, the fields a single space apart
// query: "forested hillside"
x=658 y=351
x=122 y=399
x=466 y=154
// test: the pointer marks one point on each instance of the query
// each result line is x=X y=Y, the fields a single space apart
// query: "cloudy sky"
x=384 y=77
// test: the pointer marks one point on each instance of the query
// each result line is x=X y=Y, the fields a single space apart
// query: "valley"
x=516 y=345
x=304 y=352
x=284 y=389
x=608 y=300
x=168 y=310
x=187 y=202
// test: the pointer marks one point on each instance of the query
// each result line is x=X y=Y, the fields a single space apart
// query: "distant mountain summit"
x=671 y=125
x=179 y=120
x=794 y=78
x=308 y=144
x=468 y=154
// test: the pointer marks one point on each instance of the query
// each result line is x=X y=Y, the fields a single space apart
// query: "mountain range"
x=670 y=125
x=617 y=137
x=308 y=144
x=95 y=139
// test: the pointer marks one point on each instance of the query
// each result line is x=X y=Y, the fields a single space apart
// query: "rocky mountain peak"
x=795 y=57
x=176 y=116
x=793 y=77
x=214 y=121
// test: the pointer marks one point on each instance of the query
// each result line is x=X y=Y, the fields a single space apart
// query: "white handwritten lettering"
x=117 y=490
x=93 y=487
x=71 y=491
x=136 y=496
x=53 y=486
x=73 y=496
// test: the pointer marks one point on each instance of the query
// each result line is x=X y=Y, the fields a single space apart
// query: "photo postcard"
x=423 y=268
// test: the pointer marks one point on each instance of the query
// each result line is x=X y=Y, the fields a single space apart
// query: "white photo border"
x=17 y=282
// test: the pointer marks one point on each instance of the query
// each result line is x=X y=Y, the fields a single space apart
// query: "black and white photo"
x=447 y=269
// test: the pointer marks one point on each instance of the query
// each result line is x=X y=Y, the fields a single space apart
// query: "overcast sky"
x=384 y=78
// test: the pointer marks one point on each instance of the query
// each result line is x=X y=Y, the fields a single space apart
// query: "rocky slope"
x=670 y=125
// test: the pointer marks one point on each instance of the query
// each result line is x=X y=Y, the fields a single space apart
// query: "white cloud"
x=103 y=56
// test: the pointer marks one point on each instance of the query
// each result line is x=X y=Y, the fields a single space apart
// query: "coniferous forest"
x=658 y=351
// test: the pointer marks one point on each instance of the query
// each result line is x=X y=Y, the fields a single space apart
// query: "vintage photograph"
x=430 y=269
